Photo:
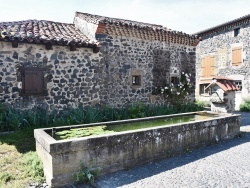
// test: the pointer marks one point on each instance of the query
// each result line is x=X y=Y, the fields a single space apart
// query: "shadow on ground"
x=132 y=175
x=24 y=140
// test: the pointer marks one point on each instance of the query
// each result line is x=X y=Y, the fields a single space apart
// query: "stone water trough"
x=122 y=150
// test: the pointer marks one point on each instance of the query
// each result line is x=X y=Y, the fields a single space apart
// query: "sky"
x=189 y=16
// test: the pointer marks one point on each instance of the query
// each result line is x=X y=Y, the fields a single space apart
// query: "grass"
x=19 y=162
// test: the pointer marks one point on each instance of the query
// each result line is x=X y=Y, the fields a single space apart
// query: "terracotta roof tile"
x=137 y=29
x=224 y=83
x=42 y=31
x=227 y=85
x=117 y=21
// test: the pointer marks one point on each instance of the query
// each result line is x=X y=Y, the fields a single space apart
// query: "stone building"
x=58 y=65
x=47 y=64
x=224 y=50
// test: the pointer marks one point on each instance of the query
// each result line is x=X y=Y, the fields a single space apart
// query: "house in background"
x=224 y=51
x=59 y=66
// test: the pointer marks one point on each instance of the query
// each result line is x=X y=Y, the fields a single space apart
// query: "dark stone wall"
x=69 y=77
x=155 y=61
x=85 y=78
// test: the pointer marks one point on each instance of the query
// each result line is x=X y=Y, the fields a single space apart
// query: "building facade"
x=47 y=64
x=224 y=51
x=95 y=60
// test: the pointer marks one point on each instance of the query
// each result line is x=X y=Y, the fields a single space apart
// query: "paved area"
x=226 y=164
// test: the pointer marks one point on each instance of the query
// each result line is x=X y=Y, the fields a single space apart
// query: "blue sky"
x=189 y=16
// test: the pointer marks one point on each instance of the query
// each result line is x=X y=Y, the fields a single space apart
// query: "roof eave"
x=215 y=28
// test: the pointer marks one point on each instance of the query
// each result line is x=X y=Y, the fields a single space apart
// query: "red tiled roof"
x=91 y=18
x=42 y=31
x=224 y=83
x=122 y=27
x=224 y=26
x=227 y=85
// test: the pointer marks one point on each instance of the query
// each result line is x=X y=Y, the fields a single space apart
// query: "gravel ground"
x=226 y=164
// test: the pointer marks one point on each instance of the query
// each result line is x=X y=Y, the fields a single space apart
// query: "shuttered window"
x=236 y=56
x=208 y=67
x=33 y=81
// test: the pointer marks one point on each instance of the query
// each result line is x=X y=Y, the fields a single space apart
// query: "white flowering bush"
x=176 y=92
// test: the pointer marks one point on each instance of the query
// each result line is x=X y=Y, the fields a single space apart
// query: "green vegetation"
x=176 y=92
x=87 y=175
x=103 y=129
x=19 y=162
x=13 y=119
x=81 y=132
x=245 y=106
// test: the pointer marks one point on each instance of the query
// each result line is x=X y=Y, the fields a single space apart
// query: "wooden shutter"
x=211 y=66
x=236 y=56
x=33 y=81
x=208 y=67
x=203 y=67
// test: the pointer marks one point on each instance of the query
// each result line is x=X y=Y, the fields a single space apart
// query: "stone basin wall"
x=117 y=151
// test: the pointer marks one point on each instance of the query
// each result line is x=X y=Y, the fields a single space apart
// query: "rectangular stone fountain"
x=115 y=150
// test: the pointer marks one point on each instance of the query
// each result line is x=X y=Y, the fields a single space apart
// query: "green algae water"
x=155 y=123
x=103 y=129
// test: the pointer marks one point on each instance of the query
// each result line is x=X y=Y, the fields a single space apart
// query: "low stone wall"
x=113 y=152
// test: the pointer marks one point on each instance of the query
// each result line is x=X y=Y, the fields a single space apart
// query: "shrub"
x=87 y=175
x=245 y=106
x=175 y=93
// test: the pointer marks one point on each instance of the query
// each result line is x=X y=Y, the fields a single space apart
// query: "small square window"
x=174 y=80
x=204 y=90
x=33 y=81
x=136 y=80
x=238 y=83
x=236 y=32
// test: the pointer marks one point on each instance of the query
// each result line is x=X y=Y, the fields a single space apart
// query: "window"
x=236 y=32
x=174 y=80
x=204 y=90
x=136 y=80
x=238 y=83
x=208 y=68
x=236 y=56
x=33 y=81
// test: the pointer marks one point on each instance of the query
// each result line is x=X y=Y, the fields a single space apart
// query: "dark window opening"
x=174 y=80
x=33 y=81
x=136 y=80
x=238 y=83
x=204 y=90
x=236 y=32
